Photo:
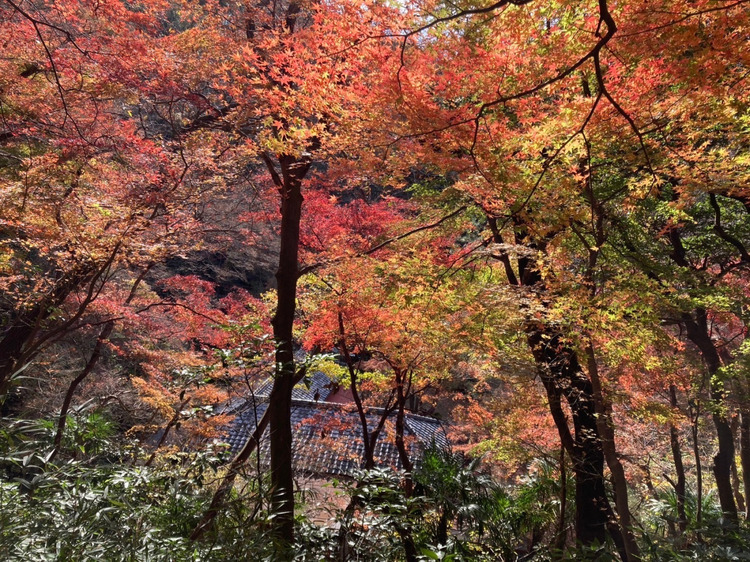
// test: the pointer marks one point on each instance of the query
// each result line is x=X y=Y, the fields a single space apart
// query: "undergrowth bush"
x=97 y=501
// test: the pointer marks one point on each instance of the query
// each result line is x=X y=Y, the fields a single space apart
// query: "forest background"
x=528 y=218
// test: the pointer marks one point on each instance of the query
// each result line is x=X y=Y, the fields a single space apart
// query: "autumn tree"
x=599 y=149
x=523 y=127
x=276 y=94
x=85 y=194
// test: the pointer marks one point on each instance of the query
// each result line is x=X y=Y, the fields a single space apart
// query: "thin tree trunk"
x=605 y=425
x=93 y=360
x=172 y=422
x=403 y=453
x=410 y=549
x=561 y=534
x=402 y=393
x=697 y=330
x=738 y=497
x=280 y=400
x=679 y=486
x=723 y=460
x=90 y=364
x=27 y=333
x=217 y=502
x=648 y=480
x=697 y=326
x=745 y=456
x=342 y=553
x=369 y=458
x=698 y=470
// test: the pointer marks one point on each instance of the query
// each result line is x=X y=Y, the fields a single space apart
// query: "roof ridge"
x=337 y=406
x=368 y=409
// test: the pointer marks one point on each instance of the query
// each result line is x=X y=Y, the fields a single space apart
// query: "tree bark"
x=369 y=457
x=560 y=535
x=280 y=400
x=696 y=324
x=11 y=348
x=695 y=418
x=562 y=375
x=293 y=170
x=738 y=497
x=403 y=453
x=697 y=330
x=679 y=486
x=217 y=502
x=605 y=425
x=745 y=457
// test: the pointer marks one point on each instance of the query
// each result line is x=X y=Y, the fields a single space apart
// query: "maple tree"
x=578 y=214
x=89 y=192
x=274 y=93
x=612 y=71
x=366 y=308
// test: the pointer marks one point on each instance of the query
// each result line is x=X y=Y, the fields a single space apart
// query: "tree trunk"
x=280 y=400
x=410 y=549
x=90 y=364
x=738 y=497
x=369 y=457
x=167 y=429
x=561 y=534
x=605 y=425
x=562 y=375
x=403 y=453
x=27 y=332
x=227 y=482
x=697 y=330
x=695 y=418
x=11 y=347
x=93 y=360
x=679 y=485
x=745 y=457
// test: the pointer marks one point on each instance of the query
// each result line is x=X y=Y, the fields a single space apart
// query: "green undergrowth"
x=96 y=500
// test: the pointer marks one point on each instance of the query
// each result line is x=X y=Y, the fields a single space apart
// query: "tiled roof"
x=327 y=438
x=319 y=388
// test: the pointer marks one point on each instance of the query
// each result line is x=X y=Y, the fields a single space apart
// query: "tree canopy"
x=528 y=219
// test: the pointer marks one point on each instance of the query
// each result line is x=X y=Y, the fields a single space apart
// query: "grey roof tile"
x=327 y=438
x=320 y=388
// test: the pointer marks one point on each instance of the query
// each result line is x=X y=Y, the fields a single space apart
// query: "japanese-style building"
x=327 y=431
